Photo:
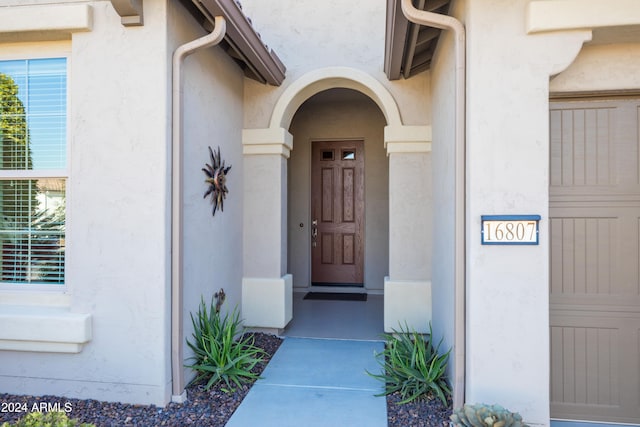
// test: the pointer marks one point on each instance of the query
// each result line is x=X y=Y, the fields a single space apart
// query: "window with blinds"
x=33 y=135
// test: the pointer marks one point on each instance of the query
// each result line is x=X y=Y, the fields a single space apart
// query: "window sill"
x=43 y=329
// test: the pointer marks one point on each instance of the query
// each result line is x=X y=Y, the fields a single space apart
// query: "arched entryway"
x=267 y=282
x=338 y=216
x=336 y=124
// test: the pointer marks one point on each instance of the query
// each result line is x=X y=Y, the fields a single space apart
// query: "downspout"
x=446 y=22
x=177 y=339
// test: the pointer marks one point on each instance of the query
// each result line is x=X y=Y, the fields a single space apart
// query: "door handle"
x=314 y=233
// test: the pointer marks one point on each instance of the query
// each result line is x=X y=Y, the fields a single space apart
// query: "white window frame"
x=30 y=51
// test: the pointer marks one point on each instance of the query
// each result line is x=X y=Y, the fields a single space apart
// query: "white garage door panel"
x=594 y=220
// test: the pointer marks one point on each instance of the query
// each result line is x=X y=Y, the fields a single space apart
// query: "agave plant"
x=222 y=352
x=216 y=173
x=413 y=366
x=482 y=415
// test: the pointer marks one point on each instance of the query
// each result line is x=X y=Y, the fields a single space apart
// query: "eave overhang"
x=410 y=47
x=242 y=42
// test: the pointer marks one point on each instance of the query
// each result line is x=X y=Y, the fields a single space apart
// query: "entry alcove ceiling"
x=409 y=47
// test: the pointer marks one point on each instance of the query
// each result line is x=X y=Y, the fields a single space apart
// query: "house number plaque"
x=510 y=229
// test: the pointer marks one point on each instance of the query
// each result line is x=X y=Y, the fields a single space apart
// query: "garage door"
x=594 y=285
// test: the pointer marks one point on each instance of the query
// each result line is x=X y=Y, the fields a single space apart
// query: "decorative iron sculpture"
x=220 y=296
x=216 y=173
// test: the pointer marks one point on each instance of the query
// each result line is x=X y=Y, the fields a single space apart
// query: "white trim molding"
x=43 y=329
x=66 y=18
x=267 y=141
x=322 y=79
x=407 y=139
x=407 y=303
x=563 y=15
x=130 y=11
x=267 y=303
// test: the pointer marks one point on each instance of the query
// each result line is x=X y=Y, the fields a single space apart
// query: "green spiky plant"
x=222 y=352
x=483 y=415
x=413 y=366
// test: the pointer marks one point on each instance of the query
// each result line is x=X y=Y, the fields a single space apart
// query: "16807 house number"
x=510 y=229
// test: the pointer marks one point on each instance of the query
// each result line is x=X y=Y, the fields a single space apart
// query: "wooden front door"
x=337 y=209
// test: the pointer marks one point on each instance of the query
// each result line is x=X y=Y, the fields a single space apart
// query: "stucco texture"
x=118 y=203
x=117 y=232
x=212 y=117
x=507 y=336
x=601 y=67
x=347 y=34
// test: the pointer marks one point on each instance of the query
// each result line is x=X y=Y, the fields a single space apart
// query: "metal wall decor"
x=216 y=180
x=220 y=296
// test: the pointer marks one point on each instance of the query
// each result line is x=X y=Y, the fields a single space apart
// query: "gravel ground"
x=419 y=413
x=211 y=408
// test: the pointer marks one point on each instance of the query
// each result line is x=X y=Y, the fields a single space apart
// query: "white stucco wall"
x=354 y=41
x=117 y=226
x=443 y=170
x=118 y=191
x=349 y=34
x=212 y=114
x=410 y=204
x=507 y=350
x=601 y=67
x=331 y=120
x=507 y=309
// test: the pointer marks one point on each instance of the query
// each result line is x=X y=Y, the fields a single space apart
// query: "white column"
x=407 y=289
x=507 y=172
x=267 y=293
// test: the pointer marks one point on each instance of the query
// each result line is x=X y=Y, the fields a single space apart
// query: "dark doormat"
x=336 y=296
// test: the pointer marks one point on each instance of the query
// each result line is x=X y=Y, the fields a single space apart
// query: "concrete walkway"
x=316 y=382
